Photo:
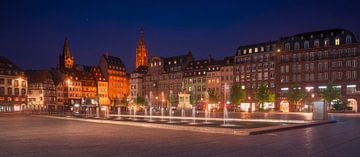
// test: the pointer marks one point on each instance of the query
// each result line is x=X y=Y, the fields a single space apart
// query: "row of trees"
x=262 y=95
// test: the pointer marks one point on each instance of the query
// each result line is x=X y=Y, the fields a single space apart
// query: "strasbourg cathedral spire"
x=66 y=59
x=141 y=52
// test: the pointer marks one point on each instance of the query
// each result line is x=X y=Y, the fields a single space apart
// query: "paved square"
x=34 y=136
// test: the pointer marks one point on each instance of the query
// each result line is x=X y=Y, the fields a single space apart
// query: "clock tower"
x=66 y=59
x=141 y=52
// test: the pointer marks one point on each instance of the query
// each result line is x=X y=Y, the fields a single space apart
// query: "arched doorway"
x=284 y=106
x=353 y=104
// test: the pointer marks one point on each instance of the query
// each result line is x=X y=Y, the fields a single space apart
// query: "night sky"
x=32 y=32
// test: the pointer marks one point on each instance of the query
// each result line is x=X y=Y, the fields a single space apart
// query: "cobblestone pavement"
x=34 y=136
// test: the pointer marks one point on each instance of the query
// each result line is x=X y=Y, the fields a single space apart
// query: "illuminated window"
x=337 y=41
x=250 y=50
x=326 y=42
x=316 y=43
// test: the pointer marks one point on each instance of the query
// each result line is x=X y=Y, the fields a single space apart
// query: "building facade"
x=41 y=91
x=164 y=77
x=136 y=82
x=312 y=60
x=118 y=81
x=13 y=87
x=255 y=65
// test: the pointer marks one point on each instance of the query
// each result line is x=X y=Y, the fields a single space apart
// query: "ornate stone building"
x=254 y=65
x=13 y=87
x=114 y=71
x=312 y=60
x=195 y=77
x=136 y=82
x=41 y=90
x=165 y=76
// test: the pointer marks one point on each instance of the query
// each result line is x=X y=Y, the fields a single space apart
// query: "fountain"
x=182 y=115
x=119 y=113
x=170 y=115
x=207 y=115
x=97 y=112
x=226 y=117
x=151 y=111
x=134 y=111
x=162 y=114
x=145 y=113
x=226 y=114
x=130 y=113
x=193 y=116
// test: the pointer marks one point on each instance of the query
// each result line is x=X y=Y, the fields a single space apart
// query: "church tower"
x=141 y=52
x=66 y=59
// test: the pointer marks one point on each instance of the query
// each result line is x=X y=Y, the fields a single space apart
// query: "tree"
x=295 y=95
x=213 y=96
x=340 y=105
x=263 y=94
x=171 y=99
x=330 y=93
x=140 y=101
x=193 y=98
x=237 y=94
x=124 y=100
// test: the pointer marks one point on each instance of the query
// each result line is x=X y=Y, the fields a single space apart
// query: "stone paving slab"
x=26 y=136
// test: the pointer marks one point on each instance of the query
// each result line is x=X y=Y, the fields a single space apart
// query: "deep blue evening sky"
x=32 y=32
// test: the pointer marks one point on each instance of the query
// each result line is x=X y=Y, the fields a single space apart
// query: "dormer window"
x=297 y=46
x=316 y=43
x=348 y=39
x=256 y=50
x=306 y=44
x=169 y=62
x=174 y=62
x=262 y=49
x=244 y=51
x=326 y=42
x=287 y=46
x=250 y=50
x=337 y=41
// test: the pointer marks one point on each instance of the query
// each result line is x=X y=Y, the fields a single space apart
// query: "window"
x=9 y=91
x=2 y=81
x=2 y=91
x=16 y=91
x=337 y=41
x=297 y=46
x=348 y=39
x=250 y=50
x=326 y=42
x=287 y=46
x=256 y=50
x=316 y=43
x=306 y=44
x=350 y=89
